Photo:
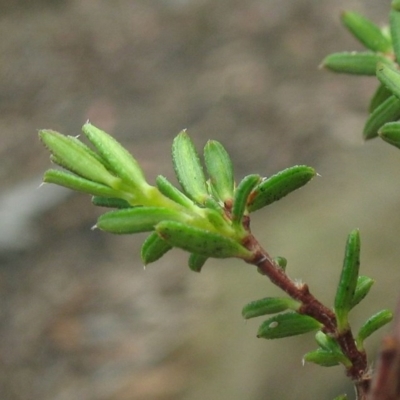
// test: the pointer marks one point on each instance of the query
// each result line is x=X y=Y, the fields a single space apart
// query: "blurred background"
x=80 y=318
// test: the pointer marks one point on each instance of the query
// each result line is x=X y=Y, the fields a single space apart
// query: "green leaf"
x=287 y=324
x=136 y=219
x=373 y=324
x=394 y=20
x=369 y=34
x=329 y=354
x=269 y=305
x=77 y=183
x=390 y=77
x=170 y=191
x=188 y=168
x=348 y=280
x=75 y=158
x=220 y=170
x=110 y=202
x=217 y=219
x=87 y=149
x=200 y=241
x=279 y=185
x=196 y=262
x=364 y=284
x=153 y=248
x=356 y=63
x=390 y=133
x=326 y=358
x=119 y=160
x=240 y=200
x=327 y=342
x=212 y=204
x=380 y=95
x=388 y=111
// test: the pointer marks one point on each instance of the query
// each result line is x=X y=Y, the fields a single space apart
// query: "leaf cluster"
x=351 y=289
x=207 y=217
x=381 y=58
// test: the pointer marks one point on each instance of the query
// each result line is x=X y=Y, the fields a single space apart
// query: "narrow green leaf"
x=373 y=324
x=287 y=324
x=394 y=20
x=119 y=160
x=269 y=305
x=380 y=95
x=213 y=204
x=196 y=262
x=390 y=77
x=136 y=219
x=369 y=34
x=87 y=149
x=75 y=158
x=188 y=168
x=385 y=29
x=169 y=190
x=327 y=342
x=77 y=183
x=200 y=241
x=212 y=193
x=388 y=111
x=153 y=248
x=390 y=133
x=110 y=202
x=356 y=63
x=326 y=358
x=364 y=284
x=279 y=185
x=217 y=220
x=240 y=200
x=220 y=170
x=348 y=280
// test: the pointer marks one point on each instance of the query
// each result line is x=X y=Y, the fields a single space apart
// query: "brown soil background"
x=79 y=316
